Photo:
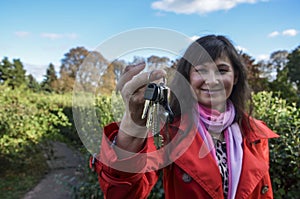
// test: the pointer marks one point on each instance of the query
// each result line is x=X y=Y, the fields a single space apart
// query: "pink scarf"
x=214 y=121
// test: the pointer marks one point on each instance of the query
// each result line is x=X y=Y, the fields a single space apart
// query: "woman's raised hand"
x=132 y=85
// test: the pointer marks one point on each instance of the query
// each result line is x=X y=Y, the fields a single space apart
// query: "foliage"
x=49 y=82
x=12 y=74
x=82 y=67
x=33 y=84
x=107 y=81
x=26 y=119
x=283 y=87
x=278 y=60
x=255 y=79
x=293 y=67
x=284 y=151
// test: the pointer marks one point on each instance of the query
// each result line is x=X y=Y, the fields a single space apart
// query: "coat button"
x=186 y=178
x=264 y=189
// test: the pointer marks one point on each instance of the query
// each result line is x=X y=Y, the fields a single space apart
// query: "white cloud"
x=22 y=34
x=290 y=32
x=51 y=35
x=197 y=6
x=54 y=36
x=240 y=48
x=273 y=34
x=287 y=32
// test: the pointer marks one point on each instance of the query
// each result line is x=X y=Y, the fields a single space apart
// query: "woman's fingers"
x=129 y=72
x=138 y=82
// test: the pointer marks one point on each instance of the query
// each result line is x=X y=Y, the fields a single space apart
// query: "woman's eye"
x=200 y=70
x=222 y=71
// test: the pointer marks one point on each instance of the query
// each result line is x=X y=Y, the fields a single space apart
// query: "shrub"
x=26 y=119
x=284 y=151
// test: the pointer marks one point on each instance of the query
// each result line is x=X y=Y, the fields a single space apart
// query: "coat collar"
x=258 y=131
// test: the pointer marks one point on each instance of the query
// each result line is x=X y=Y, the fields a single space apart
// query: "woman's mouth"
x=212 y=91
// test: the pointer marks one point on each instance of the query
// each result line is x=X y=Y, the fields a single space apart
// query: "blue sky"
x=41 y=32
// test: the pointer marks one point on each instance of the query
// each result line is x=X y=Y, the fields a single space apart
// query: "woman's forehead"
x=219 y=61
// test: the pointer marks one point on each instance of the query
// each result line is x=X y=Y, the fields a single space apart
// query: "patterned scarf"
x=214 y=121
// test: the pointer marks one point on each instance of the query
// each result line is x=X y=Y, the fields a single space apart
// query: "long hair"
x=206 y=49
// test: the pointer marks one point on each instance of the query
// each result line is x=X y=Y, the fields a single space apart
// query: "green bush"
x=284 y=151
x=26 y=119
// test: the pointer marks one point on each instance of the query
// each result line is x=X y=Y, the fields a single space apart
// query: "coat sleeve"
x=113 y=176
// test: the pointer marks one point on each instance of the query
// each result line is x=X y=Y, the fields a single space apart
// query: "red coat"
x=188 y=176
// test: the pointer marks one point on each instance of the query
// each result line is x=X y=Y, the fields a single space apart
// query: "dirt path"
x=62 y=162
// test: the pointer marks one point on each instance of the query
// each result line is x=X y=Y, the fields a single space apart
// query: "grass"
x=17 y=180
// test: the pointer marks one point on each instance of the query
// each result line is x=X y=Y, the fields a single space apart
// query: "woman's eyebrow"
x=223 y=65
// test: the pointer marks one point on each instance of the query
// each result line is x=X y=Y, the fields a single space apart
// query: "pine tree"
x=50 y=78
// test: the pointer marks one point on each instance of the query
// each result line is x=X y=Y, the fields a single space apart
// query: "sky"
x=42 y=32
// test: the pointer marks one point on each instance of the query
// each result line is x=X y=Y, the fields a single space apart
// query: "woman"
x=214 y=148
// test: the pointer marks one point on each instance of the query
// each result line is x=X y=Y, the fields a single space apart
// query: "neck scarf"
x=216 y=122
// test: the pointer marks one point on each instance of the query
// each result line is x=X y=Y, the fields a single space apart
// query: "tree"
x=13 y=74
x=293 y=66
x=50 y=78
x=118 y=67
x=69 y=67
x=72 y=61
x=32 y=83
x=255 y=79
x=278 y=60
x=5 y=66
x=107 y=82
x=90 y=72
x=158 y=62
x=282 y=85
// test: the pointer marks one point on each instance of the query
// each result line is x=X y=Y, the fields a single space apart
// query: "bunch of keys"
x=156 y=96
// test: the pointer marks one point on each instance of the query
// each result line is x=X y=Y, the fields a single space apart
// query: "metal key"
x=149 y=121
x=151 y=92
x=158 y=139
x=146 y=108
x=155 y=119
x=155 y=97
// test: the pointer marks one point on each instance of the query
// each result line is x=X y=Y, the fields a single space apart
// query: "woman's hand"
x=132 y=85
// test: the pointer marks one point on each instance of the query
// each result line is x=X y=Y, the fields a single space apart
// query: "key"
x=164 y=102
x=155 y=120
x=146 y=108
x=151 y=92
x=158 y=139
x=149 y=117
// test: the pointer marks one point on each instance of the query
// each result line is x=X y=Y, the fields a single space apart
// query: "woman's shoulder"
x=257 y=129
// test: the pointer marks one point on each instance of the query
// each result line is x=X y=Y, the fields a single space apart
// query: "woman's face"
x=213 y=82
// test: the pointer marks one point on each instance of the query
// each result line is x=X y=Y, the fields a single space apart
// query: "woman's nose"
x=212 y=79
